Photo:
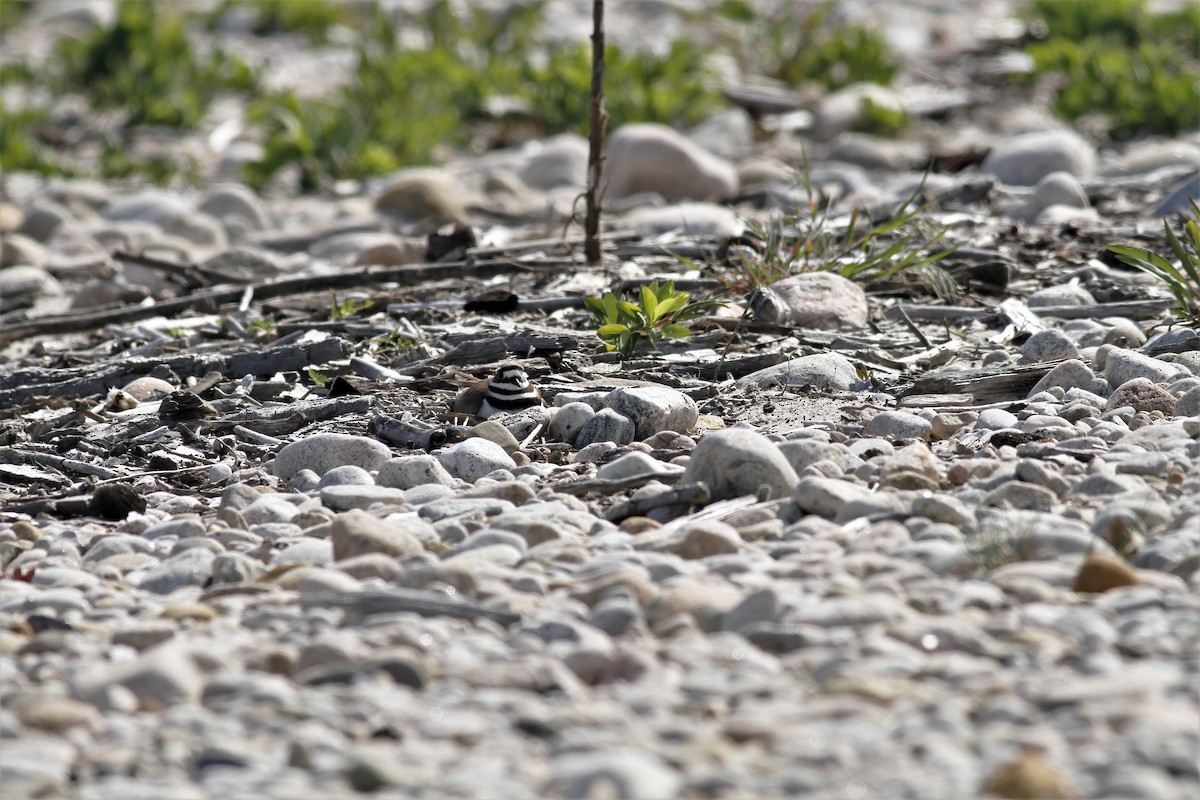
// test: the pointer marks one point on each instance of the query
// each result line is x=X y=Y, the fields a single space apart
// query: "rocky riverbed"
x=834 y=544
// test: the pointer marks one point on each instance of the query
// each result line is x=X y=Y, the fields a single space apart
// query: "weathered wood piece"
x=18 y=386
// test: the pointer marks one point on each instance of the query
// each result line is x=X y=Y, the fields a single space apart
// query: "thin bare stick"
x=598 y=121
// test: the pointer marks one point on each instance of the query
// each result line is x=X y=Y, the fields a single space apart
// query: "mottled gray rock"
x=474 y=458
x=821 y=300
x=1121 y=365
x=820 y=371
x=347 y=475
x=1026 y=159
x=344 y=498
x=322 y=452
x=569 y=421
x=406 y=472
x=357 y=532
x=632 y=464
x=654 y=409
x=1142 y=394
x=1070 y=294
x=1071 y=374
x=647 y=157
x=738 y=462
x=606 y=426
x=619 y=771
x=1048 y=345
x=1180 y=197
x=898 y=425
x=162 y=677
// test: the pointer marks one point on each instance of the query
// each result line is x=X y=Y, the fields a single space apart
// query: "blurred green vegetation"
x=423 y=83
x=1139 y=68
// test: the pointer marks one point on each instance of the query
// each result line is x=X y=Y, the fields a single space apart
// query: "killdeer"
x=507 y=390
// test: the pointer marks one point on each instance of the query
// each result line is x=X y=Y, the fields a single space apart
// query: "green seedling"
x=659 y=313
x=341 y=310
x=1183 y=281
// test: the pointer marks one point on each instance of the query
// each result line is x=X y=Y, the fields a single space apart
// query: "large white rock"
x=822 y=300
x=357 y=532
x=474 y=458
x=558 y=161
x=654 y=409
x=648 y=157
x=1026 y=159
x=738 y=462
x=322 y=452
x=820 y=371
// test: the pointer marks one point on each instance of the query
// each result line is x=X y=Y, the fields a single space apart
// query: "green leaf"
x=613 y=329
x=649 y=302
x=675 y=331
x=673 y=304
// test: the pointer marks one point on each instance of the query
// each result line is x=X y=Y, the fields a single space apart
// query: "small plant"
x=798 y=44
x=341 y=310
x=316 y=376
x=1183 y=281
x=313 y=18
x=145 y=65
x=1118 y=58
x=396 y=340
x=660 y=313
x=797 y=242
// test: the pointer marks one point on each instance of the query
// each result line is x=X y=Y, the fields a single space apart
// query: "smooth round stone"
x=648 y=157
x=898 y=425
x=557 y=161
x=43 y=218
x=820 y=371
x=305 y=551
x=1144 y=395
x=654 y=409
x=489 y=537
x=406 y=472
x=569 y=421
x=235 y=568
x=630 y=465
x=738 y=462
x=27 y=282
x=474 y=458
x=1071 y=374
x=346 y=497
x=347 y=475
x=1121 y=365
x=687 y=219
x=821 y=300
x=15 y=249
x=606 y=426
x=322 y=452
x=427 y=194
x=495 y=432
x=270 y=508
x=1048 y=345
x=1180 y=197
x=356 y=532
x=1066 y=295
x=179 y=527
x=236 y=206
x=1026 y=159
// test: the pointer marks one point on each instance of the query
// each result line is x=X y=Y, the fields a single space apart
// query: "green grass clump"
x=1183 y=280
x=1118 y=58
x=20 y=148
x=673 y=88
x=145 y=65
x=799 y=44
x=312 y=18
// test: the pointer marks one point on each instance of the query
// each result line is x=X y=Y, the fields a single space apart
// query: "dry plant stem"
x=599 y=119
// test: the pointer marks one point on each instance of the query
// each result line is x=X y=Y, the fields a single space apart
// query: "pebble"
x=821 y=300
x=322 y=452
x=654 y=409
x=474 y=458
x=738 y=462
x=647 y=157
x=1028 y=158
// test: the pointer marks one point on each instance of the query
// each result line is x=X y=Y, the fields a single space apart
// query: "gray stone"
x=357 y=532
x=1070 y=294
x=1122 y=365
x=820 y=371
x=632 y=464
x=756 y=608
x=899 y=425
x=738 y=462
x=1180 y=197
x=305 y=551
x=344 y=498
x=1026 y=159
x=348 y=475
x=474 y=458
x=685 y=219
x=821 y=300
x=1142 y=394
x=557 y=161
x=569 y=421
x=162 y=677
x=623 y=772
x=654 y=409
x=181 y=527
x=606 y=426
x=322 y=452
x=648 y=157
x=190 y=568
x=406 y=472
x=1071 y=374
x=1048 y=345
x=846 y=108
